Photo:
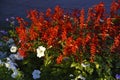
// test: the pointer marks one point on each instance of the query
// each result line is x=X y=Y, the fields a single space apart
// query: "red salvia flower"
x=63 y=35
x=48 y=12
x=50 y=35
x=21 y=22
x=58 y=13
x=82 y=13
x=70 y=47
x=114 y=8
x=78 y=41
x=99 y=9
x=22 y=33
x=93 y=47
x=92 y=52
x=33 y=15
x=33 y=34
x=36 y=18
x=67 y=48
x=109 y=22
x=88 y=38
x=22 y=52
x=59 y=59
x=116 y=44
x=91 y=15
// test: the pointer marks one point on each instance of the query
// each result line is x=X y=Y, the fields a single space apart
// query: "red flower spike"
x=116 y=45
x=91 y=15
x=93 y=46
x=22 y=33
x=114 y=8
x=22 y=52
x=82 y=13
x=48 y=12
x=59 y=59
x=64 y=35
x=70 y=47
x=99 y=9
x=33 y=34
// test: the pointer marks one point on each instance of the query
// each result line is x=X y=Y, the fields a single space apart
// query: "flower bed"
x=59 y=45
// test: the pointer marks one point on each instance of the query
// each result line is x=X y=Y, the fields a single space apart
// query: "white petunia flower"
x=13 y=49
x=40 y=51
x=14 y=74
x=36 y=74
x=84 y=65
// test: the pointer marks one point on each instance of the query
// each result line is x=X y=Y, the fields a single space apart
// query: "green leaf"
x=89 y=70
x=76 y=66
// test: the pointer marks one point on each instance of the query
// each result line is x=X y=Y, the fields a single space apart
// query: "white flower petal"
x=84 y=65
x=40 y=51
x=71 y=75
x=13 y=49
x=11 y=65
x=80 y=77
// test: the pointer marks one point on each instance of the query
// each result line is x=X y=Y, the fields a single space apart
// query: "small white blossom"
x=14 y=74
x=84 y=65
x=13 y=49
x=8 y=59
x=101 y=20
x=36 y=74
x=10 y=65
x=40 y=51
x=80 y=77
x=71 y=75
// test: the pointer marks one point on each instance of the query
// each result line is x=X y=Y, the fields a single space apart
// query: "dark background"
x=9 y=8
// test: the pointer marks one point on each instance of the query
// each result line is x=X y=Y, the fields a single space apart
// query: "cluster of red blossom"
x=78 y=34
